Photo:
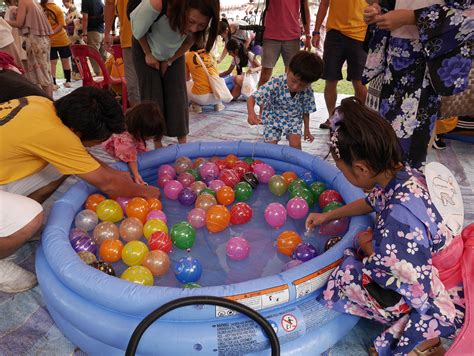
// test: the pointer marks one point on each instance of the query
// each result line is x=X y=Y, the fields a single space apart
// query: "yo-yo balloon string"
x=257 y=139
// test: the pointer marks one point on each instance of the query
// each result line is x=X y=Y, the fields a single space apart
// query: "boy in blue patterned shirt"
x=286 y=101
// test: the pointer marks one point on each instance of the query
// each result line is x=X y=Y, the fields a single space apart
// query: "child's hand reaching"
x=253 y=119
x=307 y=135
x=315 y=219
x=139 y=180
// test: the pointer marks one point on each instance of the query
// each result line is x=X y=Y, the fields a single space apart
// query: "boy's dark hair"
x=306 y=66
x=364 y=135
x=237 y=45
x=93 y=114
x=223 y=26
x=145 y=120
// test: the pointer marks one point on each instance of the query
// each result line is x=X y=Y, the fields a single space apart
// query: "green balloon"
x=208 y=191
x=191 y=285
x=304 y=193
x=277 y=185
x=183 y=235
x=243 y=191
x=195 y=173
x=296 y=184
x=317 y=188
x=332 y=206
x=248 y=160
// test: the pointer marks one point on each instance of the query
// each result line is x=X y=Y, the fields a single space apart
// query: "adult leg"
x=65 y=54
x=330 y=95
x=53 y=72
x=288 y=50
x=131 y=77
x=360 y=90
x=270 y=53
x=356 y=58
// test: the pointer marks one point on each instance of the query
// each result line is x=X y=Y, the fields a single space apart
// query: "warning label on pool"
x=239 y=338
x=257 y=300
x=314 y=281
x=289 y=323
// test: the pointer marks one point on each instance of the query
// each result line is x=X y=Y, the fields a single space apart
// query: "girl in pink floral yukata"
x=392 y=274
x=144 y=122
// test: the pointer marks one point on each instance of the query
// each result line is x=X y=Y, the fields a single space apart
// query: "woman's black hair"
x=223 y=26
x=363 y=135
x=237 y=45
x=144 y=121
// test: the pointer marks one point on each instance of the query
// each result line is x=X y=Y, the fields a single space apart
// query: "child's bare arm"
x=137 y=178
x=307 y=133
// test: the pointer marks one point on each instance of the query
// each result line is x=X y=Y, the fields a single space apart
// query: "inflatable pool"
x=98 y=312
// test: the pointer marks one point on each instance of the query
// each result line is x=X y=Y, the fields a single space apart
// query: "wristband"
x=316 y=33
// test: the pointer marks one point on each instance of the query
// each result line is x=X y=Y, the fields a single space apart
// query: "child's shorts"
x=275 y=132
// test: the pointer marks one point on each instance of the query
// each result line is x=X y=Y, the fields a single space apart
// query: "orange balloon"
x=287 y=242
x=217 y=218
x=111 y=250
x=289 y=176
x=157 y=262
x=230 y=160
x=93 y=200
x=155 y=204
x=138 y=208
x=225 y=195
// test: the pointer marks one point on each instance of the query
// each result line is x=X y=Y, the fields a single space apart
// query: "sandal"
x=435 y=350
x=373 y=351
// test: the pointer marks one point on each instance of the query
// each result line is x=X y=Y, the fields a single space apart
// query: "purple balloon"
x=275 y=215
x=216 y=184
x=166 y=169
x=291 y=264
x=237 y=248
x=83 y=243
x=263 y=172
x=187 y=196
x=157 y=214
x=197 y=218
x=172 y=189
x=209 y=171
x=123 y=202
x=336 y=227
x=297 y=208
x=304 y=252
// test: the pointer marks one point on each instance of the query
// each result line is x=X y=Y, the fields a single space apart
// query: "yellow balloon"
x=139 y=275
x=134 y=252
x=109 y=210
x=152 y=226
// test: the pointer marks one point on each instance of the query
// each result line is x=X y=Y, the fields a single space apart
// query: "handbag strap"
x=202 y=64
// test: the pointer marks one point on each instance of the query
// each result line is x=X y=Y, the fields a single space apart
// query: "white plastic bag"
x=249 y=84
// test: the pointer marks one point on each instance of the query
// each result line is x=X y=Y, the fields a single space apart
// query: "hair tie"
x=334 y=120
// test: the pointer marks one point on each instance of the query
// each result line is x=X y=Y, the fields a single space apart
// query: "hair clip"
x=336 y=118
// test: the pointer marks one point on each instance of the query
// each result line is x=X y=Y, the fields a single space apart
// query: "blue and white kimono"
x=408 y=231
x=416 y=71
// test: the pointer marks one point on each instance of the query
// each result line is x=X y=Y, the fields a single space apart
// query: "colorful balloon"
x=198 y=162
x=241 y=167
x=154 y=204
x=254 y=164
x=93 y=200
x=167 y=169
x=240 y=213
x=87 y=257
x=230 y=160
x=225 y=195
x=123 y=202
x=297 y=208
x=205 y=201
x=104 y=267
x=157 y=262
x=264 y=172
x=157 y=214
x=304 y=193
x=251 y=179
x=332 y=242
x=333 y=205
x=217 y=218
x=160 y=241
x=186 y=179
x=275 y=215
x=221 y=164
x=328 y=196
x=134 y=252
x=138 y=208
x=296 y=184
x=237 y=248
x=187 y=196
x=197 y=218
x=191 y=285
x=109 y=210
x=131 y=229
x=86 y=220
x=277 y=185
x=172 y=189
x=291 y=264
x=83 y=242
x=139 y=275
x=198 y=186
x=287 y=242
x=152 y=226
x=243 y=191
x=163 y=179
x=308 y=178
x=336 y=227
x=289 y=176
x=209 y=171
x=304 y=252
x=317 y=188
x=195 y=173
x=105 y=231
x=182 y=164
x=216 y=184
x=248 y=160
x=183 y=235
x=111 y=250
x=208 y=191
x=229 y=177
x=188 y=269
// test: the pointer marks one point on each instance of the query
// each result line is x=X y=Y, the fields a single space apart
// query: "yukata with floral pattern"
x=416 y=71
x=124 y=147
x=408 y=231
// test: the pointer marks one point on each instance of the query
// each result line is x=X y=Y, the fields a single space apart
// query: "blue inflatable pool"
x=98 y=312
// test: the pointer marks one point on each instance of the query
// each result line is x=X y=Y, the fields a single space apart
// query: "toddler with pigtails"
x=143 y=122
x=393 y=275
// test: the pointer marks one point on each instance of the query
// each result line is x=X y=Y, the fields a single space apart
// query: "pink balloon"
x=216 y=184
x=237 y=248
x=172 y=189
x=297 y=208
x=163 y=179
x=335 y=227
x=197 y=218
x=186 y=179
x=157 y=214
x=275 y=215
x=167 y=169
x=123 y=202
x=209 y=171
x=264 y=172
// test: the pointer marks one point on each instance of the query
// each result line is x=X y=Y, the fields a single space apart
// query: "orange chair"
x=81 y=54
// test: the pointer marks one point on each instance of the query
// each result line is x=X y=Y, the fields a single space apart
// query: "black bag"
x=132 y=4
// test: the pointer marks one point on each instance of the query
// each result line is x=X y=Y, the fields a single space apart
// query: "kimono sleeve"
x=263 y=94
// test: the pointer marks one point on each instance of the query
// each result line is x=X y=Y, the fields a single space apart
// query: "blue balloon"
x=308 y=178
x=188 y=269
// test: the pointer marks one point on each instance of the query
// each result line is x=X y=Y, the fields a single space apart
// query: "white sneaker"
x=67 y=84
x=219 y=107
x=196 y=108
x=14 y=279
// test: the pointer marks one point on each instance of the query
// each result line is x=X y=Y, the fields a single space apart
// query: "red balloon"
x=241 y=167
x=160 y=241
x=328 y=196
x=240 y=213
x=229 y=177
x=254 y=163
x=221 y=164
